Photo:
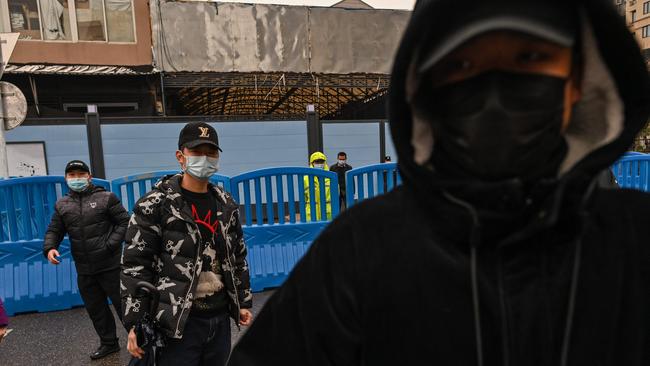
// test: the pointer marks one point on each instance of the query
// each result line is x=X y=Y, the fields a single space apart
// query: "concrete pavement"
x=68 y=338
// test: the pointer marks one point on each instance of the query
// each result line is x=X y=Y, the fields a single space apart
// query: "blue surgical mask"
x=78 y=184
x=201 y=167
x=319 y=166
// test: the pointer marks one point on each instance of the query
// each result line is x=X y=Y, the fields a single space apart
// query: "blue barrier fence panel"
x=274 y=250
x=632 y=171
x=124 y=187
x=370 y=181
x=130 y=189
x=27 y=281
x=276 y=233
x=275 y=224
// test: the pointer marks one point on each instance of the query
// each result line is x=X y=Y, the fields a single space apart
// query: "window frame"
x=646 y=7
x=135 y=33
x=645 y=31
x=72 y=15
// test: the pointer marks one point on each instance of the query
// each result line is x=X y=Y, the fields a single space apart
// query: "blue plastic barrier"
x=632 y=171
x=130 y=189
x=276 y=231
x=27 y=281
x=370 y=181
x=273 y=211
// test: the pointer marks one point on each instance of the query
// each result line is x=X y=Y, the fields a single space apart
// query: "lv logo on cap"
x=204 y=132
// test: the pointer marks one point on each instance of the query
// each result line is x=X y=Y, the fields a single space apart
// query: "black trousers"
x=94 y=290
x=205 y=342
x=343 y=203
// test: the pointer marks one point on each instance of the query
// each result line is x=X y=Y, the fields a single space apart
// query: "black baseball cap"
x=76 y=165
x=552 y=20
x=198 y=133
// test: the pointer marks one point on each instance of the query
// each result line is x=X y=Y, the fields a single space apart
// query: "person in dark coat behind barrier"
x=499 y=248
x=96 y=223
x=340 y=168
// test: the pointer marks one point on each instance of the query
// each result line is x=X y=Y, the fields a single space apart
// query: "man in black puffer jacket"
x=96 y=222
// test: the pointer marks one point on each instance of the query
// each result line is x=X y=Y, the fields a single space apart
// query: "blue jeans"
x=205 y=342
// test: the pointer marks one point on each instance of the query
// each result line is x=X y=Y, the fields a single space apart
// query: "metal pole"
x=162 y=88
x=314 y=132
x=95 y=146
x=4 y=163
x=382 y=142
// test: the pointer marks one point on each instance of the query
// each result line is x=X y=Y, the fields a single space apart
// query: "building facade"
x=76 y=52
x=637 y=16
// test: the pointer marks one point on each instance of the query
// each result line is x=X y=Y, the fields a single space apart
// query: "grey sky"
x=381 y=4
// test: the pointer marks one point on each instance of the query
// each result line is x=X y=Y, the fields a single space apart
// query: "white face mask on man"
x=78 y=184
x=201 y=167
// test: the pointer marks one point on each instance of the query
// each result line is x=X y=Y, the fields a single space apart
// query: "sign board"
x=15 y=105
x=26 y=159
x=7 y=45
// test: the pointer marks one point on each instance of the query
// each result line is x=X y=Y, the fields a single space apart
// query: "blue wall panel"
x=62 y=143
x=359 y=140
x=137 y=148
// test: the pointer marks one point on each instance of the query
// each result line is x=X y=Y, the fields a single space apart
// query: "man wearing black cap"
x=500 y=248
x=95 y=222
x=185 y=238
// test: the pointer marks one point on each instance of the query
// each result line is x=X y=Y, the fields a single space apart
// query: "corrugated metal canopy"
x=233 y=37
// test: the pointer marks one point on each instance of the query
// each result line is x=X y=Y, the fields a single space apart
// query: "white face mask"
x=342 y=162
x=319 y=166
x=201 y=167
x=78 y=184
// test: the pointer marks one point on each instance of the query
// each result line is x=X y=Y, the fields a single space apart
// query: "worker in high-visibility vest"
x=317 y=160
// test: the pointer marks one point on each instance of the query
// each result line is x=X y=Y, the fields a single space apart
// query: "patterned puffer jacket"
x=162 y=248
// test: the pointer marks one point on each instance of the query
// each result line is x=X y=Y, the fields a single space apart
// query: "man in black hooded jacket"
x=96 y=223
x=500 y=248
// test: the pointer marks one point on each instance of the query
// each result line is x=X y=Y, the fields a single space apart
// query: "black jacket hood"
x=613 y=109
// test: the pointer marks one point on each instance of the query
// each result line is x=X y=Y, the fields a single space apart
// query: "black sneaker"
x=104 y=350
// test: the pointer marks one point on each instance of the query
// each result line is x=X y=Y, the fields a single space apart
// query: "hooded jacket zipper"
x=505 y=324
x=475 y=241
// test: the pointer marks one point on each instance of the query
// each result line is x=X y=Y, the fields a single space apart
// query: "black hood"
x=613 y=109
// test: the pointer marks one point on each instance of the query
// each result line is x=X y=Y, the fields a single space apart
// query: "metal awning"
x=78 y=70
x=272 y=93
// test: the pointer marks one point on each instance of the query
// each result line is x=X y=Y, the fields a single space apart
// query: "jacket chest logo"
x=93 y=204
